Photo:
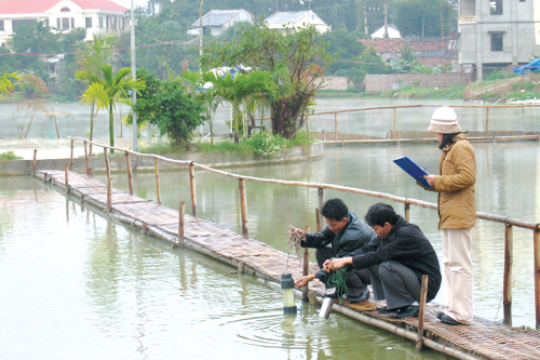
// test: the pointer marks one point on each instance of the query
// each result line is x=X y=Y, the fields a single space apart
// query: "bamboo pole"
x=243 y=206
x=321 y=203
x=71 y=160
x=109 y=195
x=507 y=282
x=34 y=163
x=305 y=270
x=193 y=189
x=407 y=211
x=335 y=126
x=318 y=219
x=157 y=181
x=536 y=242
x=487 y=121
x=86 y=159
x=423 y=299
x=394 y=129
x=181 y=224
x=129 y=174
x=66 y=180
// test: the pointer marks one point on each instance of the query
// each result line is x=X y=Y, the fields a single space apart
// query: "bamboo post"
x=243 y=206
x=394 y=128
x=536 y=242
x=129 y=173
x=507 y=286
x=34 y=163
x=86 y=159
x=157 y=180
x=193 y=190
x=181 y=224
x=335 y=126
x=305 y=270
x=318 y=219
x=487 y=120
x=321 y=198
x=107 y=167
x=67 y=184
x=71 y=160
x=109 y=195
x=407 y=211
x=423 y=298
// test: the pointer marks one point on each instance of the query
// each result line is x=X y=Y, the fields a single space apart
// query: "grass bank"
x=408 y=92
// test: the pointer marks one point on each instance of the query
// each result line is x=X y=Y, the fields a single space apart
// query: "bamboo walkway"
x=484 y=339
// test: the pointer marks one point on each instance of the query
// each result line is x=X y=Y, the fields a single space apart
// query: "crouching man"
x=402 y=254
x=344 y=234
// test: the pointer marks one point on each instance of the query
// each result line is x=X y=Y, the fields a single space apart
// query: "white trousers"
x=459 y=274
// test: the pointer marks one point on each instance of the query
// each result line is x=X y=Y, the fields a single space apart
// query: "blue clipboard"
x=411 y=168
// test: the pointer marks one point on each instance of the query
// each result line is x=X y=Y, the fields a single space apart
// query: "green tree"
x=6 y=85
x=90 y=58
x=176 y=111
x=295 y=61
x=8 y=62
x=423 y=18
x=107 y=90
x=36 y=39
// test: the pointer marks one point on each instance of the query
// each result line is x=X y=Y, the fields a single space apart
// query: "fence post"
x=507 y=286
x=536 y=242
x=305 y=270
x=407 y=212
x=394 y=128
x=181 y=224
x=423 y=298
x=67 y=184
x=86 y=158
x=157 y=180
x=321 y=198
x=243 y=206
x=107 y=167
x=71 y=161
x=109 y=195
x=34 y=163
x=487 y=120
x=193 y=190
x=129 y=174
x=318 y=219
x=335 y=126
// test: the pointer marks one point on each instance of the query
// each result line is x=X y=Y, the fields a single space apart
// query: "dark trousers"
x=395 y=282
x=356 y=279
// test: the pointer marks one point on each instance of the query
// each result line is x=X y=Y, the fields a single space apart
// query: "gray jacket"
x=355 y=235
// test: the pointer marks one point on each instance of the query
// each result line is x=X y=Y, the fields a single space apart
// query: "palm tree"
x=6 y=86
x=107 y=90
x=89 y=59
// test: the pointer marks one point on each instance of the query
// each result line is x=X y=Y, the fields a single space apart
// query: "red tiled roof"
x=423 y=44
x=392 y=46
x=40 y=6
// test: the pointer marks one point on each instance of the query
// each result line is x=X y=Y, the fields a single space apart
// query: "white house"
x=393 y=33
x=219 y=20
x=294 y=20
x=61 y=15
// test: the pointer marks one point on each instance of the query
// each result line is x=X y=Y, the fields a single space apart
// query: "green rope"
x=337 y=278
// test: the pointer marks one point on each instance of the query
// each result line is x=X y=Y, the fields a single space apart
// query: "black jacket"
x=355 y=235
x=407 y=244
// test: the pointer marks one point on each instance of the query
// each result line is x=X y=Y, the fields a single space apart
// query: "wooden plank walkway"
x=483 y=339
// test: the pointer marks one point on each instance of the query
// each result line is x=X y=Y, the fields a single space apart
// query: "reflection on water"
x=75 y=282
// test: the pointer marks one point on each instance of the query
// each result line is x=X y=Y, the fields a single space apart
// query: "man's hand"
x=302 y=281
x=335 y=264
x=300 y=233
x=430 y=179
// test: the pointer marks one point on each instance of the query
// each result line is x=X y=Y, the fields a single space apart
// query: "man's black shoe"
x=384 y=309
x=407 y=311
x=363 y=297
x=447 y=319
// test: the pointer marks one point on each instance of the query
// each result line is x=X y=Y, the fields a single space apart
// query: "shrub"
x=9 y=155
x=266 y=144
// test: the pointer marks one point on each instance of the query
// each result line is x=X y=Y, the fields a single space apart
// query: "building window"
x=88 y=22
x=1 y=25
x=65 y=9
x=47 y=22
x=72 y=23
x=100 y=22
x=497 y=42
x=65 y=23
x=495 y=7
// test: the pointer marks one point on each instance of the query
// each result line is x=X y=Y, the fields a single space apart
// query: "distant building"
x=298 y=19
x=497 y=33
x=219 y=20
x=387 y=49
x=61 y=15
x=393 y=33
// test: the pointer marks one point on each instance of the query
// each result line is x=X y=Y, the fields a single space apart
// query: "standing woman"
x=457 y=214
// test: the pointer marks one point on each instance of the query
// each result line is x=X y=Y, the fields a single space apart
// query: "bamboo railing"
x=508 y=222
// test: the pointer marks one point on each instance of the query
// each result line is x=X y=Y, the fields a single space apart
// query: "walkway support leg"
x=193 y=190
x=507 y=286
x=181 y=224
x=129 y=173
x=305 y=270
x=86 y=159
x=157 y=180
x=537 y=275
x=423 y=298
x=34 y=163
x=243 y=206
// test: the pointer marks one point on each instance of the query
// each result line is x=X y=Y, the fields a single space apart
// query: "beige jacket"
x=455 y=185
